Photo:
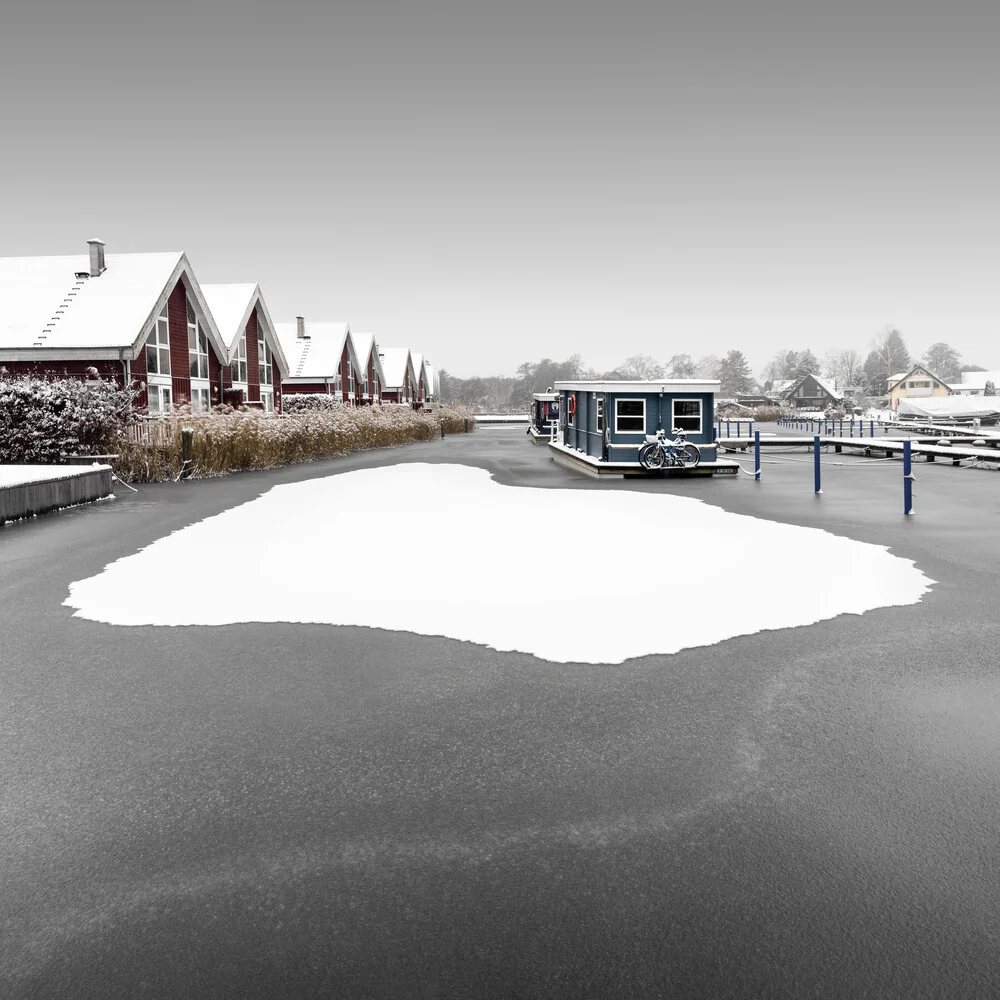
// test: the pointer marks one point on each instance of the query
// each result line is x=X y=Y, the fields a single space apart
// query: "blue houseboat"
x=544 y=416
x=602 y=425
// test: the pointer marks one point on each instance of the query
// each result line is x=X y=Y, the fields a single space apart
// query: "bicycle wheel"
x=689 y=455
x=654 y=457
x=643 y=452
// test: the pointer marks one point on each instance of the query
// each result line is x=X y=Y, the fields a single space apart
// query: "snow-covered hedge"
x=249 y=439
x=43 y=419
x=301 y=402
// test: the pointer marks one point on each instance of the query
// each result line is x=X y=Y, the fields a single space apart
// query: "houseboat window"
x=159 y=399
x=570 y=418
x=199 y=400
x=239 y=368
x=197 y=345
x=600 y=413
x=630 y=416
x=264 y=361
x=158 y=347
x=687 y=414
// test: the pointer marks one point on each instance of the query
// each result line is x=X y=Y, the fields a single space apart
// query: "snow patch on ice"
x=567 y=575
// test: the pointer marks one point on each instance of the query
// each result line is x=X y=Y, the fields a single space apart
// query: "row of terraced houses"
x=144 y=319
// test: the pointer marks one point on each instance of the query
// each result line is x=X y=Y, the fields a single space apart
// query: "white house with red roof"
x=133 y=318
x=257 y=363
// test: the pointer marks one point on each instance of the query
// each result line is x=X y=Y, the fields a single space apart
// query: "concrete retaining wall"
x=69 y=488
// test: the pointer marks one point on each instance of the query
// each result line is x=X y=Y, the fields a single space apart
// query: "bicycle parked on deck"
x=659 y=453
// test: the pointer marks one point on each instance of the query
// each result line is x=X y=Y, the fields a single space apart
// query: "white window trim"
x=162 y=386
x=200 y=336
x=687 y=399
x=157 y=345
x=241 y=361
x=265 y=360
x=599 y=411
x=618 y=416
x=201 y=385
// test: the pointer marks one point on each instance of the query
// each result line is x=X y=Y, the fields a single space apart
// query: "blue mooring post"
x=871 y=428
x=727 y=429
x=816 y=463
x=907 y=479
x=756 y=455
x=738 y=428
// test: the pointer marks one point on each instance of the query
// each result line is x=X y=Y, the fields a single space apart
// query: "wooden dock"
x=888 y=447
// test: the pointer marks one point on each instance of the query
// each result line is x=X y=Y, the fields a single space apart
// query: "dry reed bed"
x=244 y=440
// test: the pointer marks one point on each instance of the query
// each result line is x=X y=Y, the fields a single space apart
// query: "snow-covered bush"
x=300 y=402
x=43 y=419
x=249 y=439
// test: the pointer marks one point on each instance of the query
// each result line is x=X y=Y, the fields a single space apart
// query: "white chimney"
x=96 y=257
x=300 y=326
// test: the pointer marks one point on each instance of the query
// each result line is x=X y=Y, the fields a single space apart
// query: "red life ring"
x=572 y=404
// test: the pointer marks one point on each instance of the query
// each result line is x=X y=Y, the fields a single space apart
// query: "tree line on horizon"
x=868 y=374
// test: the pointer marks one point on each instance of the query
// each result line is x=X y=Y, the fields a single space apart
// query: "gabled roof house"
x=134 y=318
x=918 y=382
x=257 y=364
x=321 y=358
x=400 y=376
x=370 y=365
x=811 y=392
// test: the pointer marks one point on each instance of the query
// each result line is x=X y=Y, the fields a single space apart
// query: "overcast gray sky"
x=494 y=183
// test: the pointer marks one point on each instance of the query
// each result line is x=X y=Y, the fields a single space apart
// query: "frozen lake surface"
x=566 y=575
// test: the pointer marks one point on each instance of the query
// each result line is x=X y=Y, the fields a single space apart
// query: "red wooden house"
x=257 y=363
x=321 y=359
x=400 y=377
x=137 y=317
x=370 y=365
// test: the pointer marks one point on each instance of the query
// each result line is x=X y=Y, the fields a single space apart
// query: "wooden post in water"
x=187 y=451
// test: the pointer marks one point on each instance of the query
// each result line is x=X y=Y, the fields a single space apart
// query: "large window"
x=239 y=368
x=159 y=400
x=600 y=413
x=197 y=345
x=265 y=370
x=158 y=346
x=350 y=378
x=570 y=415
x=630 y=416
x=687 y=415
x=199 y=400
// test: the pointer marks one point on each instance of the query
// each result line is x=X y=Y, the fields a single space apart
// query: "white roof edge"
x=623 y=385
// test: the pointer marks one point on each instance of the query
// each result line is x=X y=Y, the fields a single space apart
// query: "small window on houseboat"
x=600 y=413
x=687 y=415
x=630 y=416
x=570 y=417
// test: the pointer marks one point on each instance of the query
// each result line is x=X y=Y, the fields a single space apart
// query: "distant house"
x=400 y=377
x=321 y=359
x=430 y=392
x=974 y=383
x=420 y=374
x=257 y=363
x=810 y=392
x=370 y=367
x=137 y=318
x=776 y=388
x=917 y=383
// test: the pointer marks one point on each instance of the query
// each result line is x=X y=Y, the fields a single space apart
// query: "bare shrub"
x=248 y=439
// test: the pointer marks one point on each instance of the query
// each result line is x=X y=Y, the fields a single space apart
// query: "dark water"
x=278 y=810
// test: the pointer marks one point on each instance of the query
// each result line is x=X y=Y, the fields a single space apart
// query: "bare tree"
x=708 y=366
x=681 y=366
x=640 y=366
x=846 y=366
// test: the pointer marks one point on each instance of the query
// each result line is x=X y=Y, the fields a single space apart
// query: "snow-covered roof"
x=978 y=380
x=231 y=307
x=52 y=303
x=780 y=385
x=429 y=379
x=828 y=387
x=316 y=355
x=894 y=380
x=418 y=364
x=395 y=361
x=629 y=385
x=365 y=346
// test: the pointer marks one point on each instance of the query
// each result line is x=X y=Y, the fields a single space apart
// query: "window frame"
x=204 y=397
x=239 y=363
x=674 y=418
x=164 y=399
x=631 y=416
x=600 y=412
x=160 y=345
x=199 y=352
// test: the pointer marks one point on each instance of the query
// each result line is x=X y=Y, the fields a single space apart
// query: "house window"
x=239 y=367
x=600 y=412
x=197 y=345
x=159 y=400
x=350 y=378
x=267 y=398
x=630 y=416
x=265 y=361
x=686 y=415
x=199 y=400
x=570 y=416
x=158 y=346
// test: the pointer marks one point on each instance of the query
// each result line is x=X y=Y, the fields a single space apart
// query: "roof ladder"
x=60 y=310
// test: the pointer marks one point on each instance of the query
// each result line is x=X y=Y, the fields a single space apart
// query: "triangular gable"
x=317 y=355
x=232 y=306
x=915 y=370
